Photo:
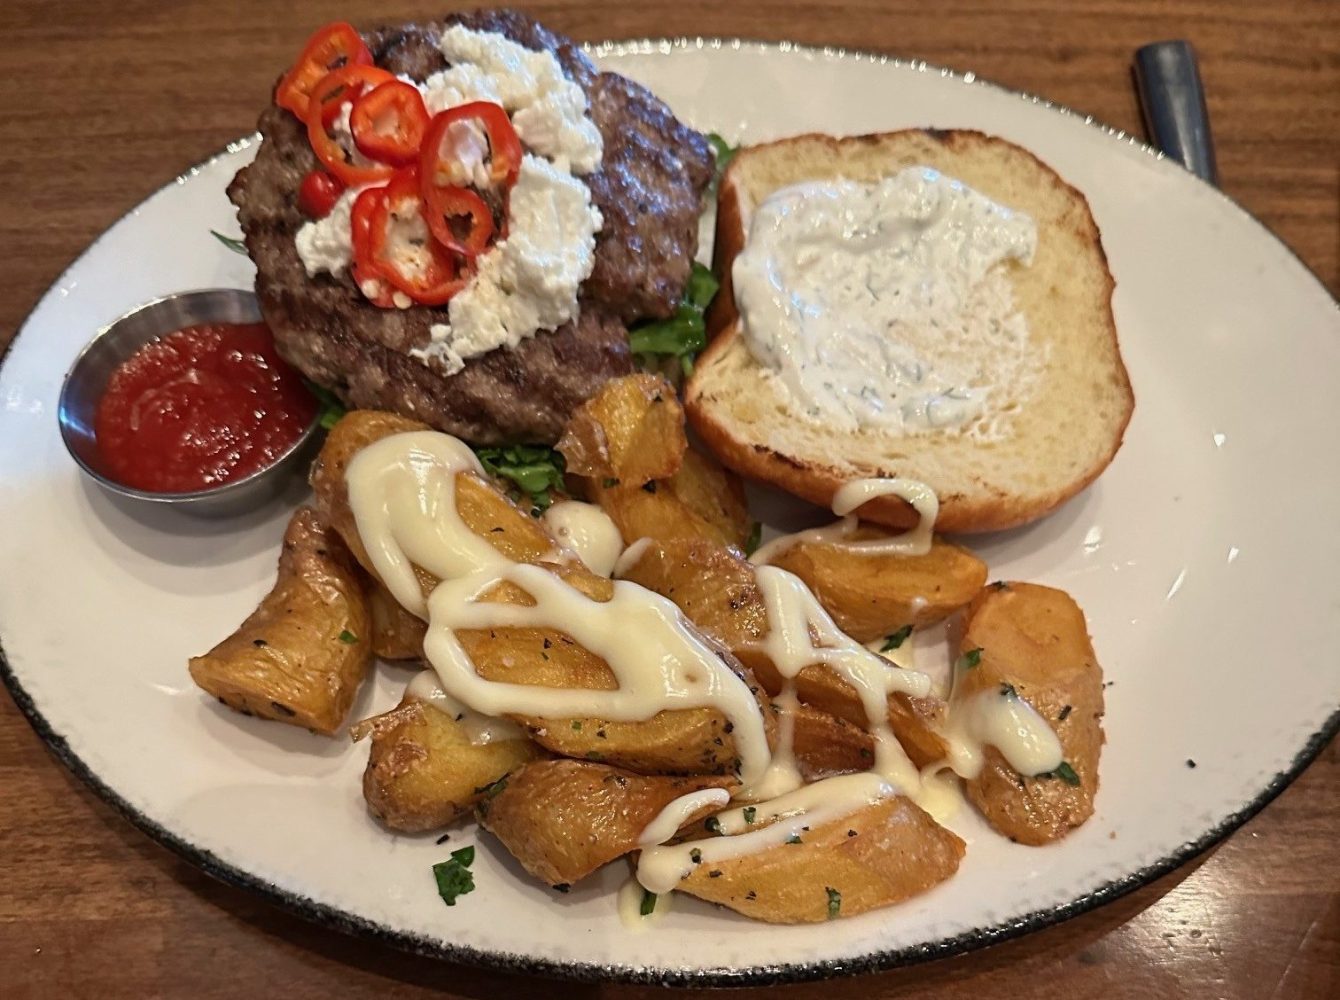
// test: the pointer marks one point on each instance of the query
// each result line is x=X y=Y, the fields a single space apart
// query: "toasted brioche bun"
x=1064 y=433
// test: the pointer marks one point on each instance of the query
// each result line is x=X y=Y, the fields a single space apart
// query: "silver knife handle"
x=1173 y=102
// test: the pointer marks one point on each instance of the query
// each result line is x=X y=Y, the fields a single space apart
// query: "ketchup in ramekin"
x=200 y=407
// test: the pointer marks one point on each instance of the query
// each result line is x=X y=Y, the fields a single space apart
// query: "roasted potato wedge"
x=887 y=852
x=716 y=589
x=687 y=741
x=563 y=819
x=825 y=745
x=1034 y=639
x=632 y=430
x=396 y=634
x=482 y=506
x=870 y=596
x=680 y=741
x=423 y=772
x=702 y=501
x=301 y=655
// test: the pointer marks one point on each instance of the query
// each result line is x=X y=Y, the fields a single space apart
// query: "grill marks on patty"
x=648 y=189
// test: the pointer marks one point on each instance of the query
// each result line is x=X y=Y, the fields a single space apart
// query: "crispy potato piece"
x=915 y=721
x=887 y=852
x=423 y=772
x=715 y=588
x=687 y=741
x=301 y=655
x=870 y=596
x=1035 y=639
x=700 y=501
x=632 y=430
x=485 y=509
x=563 y=819
x=396 y=634
x=679 y=741
x=825 y=745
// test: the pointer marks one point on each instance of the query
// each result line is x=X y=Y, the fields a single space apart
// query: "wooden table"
x=103 y=103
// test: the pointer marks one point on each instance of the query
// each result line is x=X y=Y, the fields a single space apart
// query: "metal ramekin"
x=87 y=380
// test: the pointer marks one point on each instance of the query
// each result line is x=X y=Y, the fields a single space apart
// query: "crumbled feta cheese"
x=528 y=282
x=548 y=110
x=326 y=245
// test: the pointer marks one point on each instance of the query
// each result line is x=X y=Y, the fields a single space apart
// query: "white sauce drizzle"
x=662 y=868
x=631 y=556
x=668 y=667
x=480 y=730
x=993 y=717
x=850 y=497
x=402 y=490
x=587 y=532
x=677 y=813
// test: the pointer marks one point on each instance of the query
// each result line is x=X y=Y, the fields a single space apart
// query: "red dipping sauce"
x=200 y=407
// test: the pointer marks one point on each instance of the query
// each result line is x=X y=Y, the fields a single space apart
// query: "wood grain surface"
x=103 y=103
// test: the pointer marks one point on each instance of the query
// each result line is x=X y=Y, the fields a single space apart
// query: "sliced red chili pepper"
x=447 y=153
x=404 y=251
x=388 y=122
x=337 y=88
x=460 y=219
x=318 y=194
x=367 y=276
x=330 y=48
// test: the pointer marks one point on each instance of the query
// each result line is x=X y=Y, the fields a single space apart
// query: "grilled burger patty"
x=649 y=189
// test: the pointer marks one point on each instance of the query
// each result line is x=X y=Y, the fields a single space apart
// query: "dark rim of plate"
x=762 y=975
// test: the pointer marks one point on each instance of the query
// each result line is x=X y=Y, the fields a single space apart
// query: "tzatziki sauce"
x=888 y=305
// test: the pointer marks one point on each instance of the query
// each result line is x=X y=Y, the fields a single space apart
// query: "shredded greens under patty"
x=723 y=152
x=331 y=408
x=535 y=470
x=684 y=334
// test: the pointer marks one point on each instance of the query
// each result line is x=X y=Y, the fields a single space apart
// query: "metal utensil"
x=87 y=381
x=1173 y=102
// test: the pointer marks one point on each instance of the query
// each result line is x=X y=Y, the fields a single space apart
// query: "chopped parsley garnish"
x=454 y=878
x=713 y=825
x=648 y=903
x=347 y=637
x=682 y=335
x=331 y=408
x=231 y=242
x=696 y=856
x=491 y=790
x=534 y=470
x=755 y=537
x=834 y=902
x=970 y=659
x=609 y=482
x=1063 y=771
x=749 y=813
x=1007 y=691
x=576 y=725
x=896 y=640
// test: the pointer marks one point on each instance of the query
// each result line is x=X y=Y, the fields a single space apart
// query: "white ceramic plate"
x=1205 y=558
